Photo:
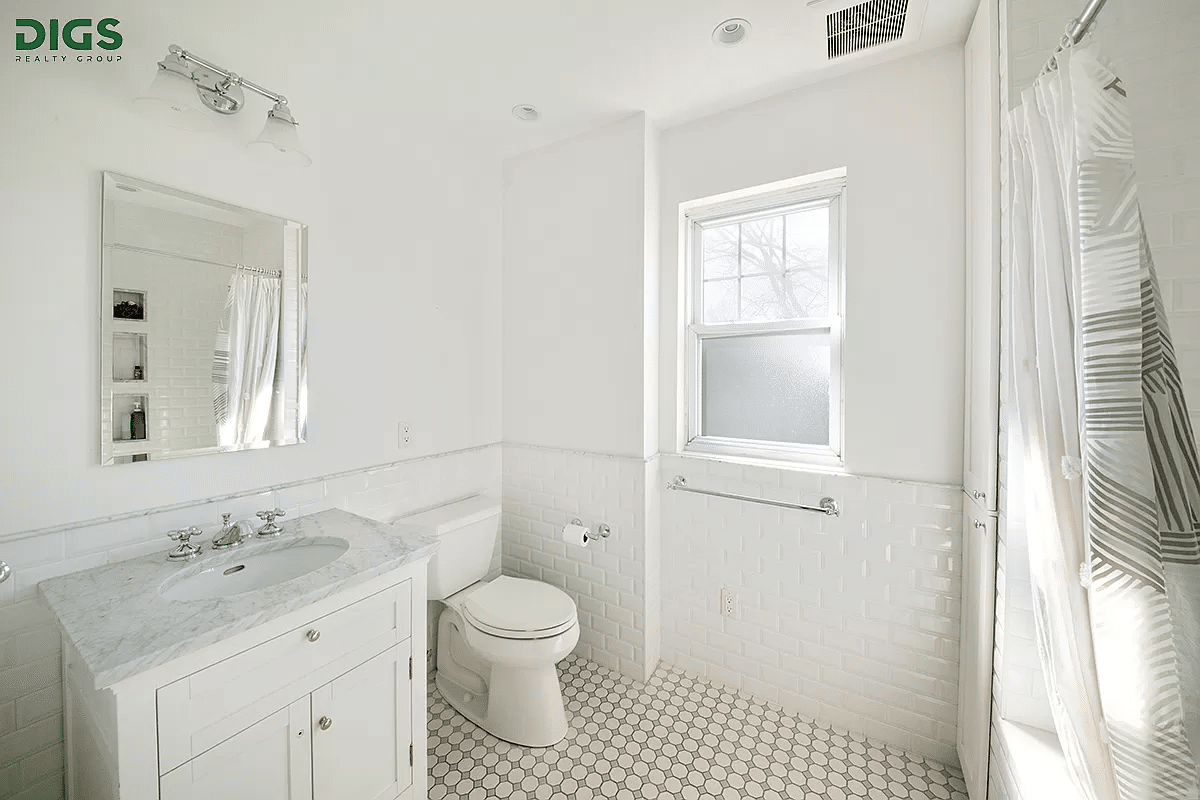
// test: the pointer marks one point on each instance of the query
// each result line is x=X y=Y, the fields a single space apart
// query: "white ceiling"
x=458 y=66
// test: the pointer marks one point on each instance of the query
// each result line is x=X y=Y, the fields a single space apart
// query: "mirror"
x=204 y=310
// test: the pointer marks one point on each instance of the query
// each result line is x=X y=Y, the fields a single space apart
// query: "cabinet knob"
x=978 y=495
x=325 y=722
x=313 y=635
x=980 y=524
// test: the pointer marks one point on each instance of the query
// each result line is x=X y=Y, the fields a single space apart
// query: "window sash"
x=830 y=193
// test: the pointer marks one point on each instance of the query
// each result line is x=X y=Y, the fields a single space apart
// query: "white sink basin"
x=255 y=569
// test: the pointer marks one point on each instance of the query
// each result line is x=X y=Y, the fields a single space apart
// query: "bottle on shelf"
x=137 y=421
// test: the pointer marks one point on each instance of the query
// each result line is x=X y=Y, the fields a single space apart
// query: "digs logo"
x=76 y=34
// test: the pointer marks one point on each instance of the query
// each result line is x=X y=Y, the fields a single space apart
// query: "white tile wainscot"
x=31 y=724
x=614 y=581
x=849 y=620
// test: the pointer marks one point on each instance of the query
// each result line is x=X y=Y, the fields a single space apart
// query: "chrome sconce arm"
x=231 y=78
x=182 y=76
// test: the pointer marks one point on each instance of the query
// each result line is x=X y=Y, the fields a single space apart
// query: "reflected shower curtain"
x=1103 y=465
x=302 y=393
x=243 y=376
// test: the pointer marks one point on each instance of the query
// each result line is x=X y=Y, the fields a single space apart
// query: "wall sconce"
x=185 y=85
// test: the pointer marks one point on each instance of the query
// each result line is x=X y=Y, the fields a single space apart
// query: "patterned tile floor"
x=673 y=737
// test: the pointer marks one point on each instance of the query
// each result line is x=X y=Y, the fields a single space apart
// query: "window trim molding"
x=768 y=200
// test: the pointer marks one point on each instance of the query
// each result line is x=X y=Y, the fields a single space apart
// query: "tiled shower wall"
x=613 y=581
x=850 y=620
x=31 y=727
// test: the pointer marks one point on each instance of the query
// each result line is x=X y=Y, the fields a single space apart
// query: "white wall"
x=898 y=130
x=850 y=620
x=404 y=270
x=580 y=368
x=574 y=292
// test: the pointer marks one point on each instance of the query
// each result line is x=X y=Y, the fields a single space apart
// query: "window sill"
x=768 y=463
x=1036 y=762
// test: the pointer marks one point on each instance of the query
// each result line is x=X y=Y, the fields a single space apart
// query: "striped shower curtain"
x=1103 y=469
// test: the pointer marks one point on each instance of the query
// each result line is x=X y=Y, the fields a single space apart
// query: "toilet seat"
x=517 y=608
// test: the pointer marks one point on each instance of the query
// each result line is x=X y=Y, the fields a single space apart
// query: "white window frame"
x=764 y=201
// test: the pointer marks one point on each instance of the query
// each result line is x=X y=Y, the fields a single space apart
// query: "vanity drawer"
x=205 y=708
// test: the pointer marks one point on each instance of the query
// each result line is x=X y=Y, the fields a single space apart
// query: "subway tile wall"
x=850 y=620
x=609 y=579
x=31 y=727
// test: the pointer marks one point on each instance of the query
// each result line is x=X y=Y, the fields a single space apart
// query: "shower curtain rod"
x=1075 y=31
x=274 y=273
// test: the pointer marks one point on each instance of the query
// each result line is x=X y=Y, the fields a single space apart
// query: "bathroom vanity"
x=304 y=688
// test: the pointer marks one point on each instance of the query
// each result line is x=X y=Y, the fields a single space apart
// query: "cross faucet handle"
x=183 y=534
x=186 y=549
x=270 y=528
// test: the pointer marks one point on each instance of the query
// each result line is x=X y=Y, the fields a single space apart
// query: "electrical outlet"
x=404 y=435
x=729 y=603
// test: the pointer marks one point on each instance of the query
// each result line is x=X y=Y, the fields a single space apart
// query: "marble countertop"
x=121 y=625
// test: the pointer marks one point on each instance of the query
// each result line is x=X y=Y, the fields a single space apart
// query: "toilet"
x=498 y=640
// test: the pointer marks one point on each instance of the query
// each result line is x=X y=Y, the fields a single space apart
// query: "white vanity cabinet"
x=323 y=703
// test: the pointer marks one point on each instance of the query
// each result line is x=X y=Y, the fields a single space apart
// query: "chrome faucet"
x=230 y=535
x=270 y=528
x=186 y=550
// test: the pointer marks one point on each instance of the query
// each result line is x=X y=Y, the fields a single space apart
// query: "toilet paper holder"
x=602 y=530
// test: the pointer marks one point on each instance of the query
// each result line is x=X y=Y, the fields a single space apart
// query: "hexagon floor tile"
x=675 y=736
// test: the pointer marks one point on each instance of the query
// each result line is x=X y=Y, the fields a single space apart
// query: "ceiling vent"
x=865 y=25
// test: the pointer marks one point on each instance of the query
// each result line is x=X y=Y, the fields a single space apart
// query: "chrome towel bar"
x=827 y=506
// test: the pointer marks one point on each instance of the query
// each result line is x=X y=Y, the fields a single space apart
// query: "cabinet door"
x=362 y=730
x=270 y=760
x=982 y=406
x=976 y=638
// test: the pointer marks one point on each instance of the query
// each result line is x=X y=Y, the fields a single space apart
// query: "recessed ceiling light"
x=731 y=32
x=526 y=113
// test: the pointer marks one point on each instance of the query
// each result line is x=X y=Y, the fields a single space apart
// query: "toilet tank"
x=466 y=531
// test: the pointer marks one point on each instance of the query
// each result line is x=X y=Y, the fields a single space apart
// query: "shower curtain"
x=302 y=392
x=1103 y=469
x=243 y=375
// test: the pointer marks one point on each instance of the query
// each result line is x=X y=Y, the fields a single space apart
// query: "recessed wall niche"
x=129 y=357
x=125 y=426
x=129 y=304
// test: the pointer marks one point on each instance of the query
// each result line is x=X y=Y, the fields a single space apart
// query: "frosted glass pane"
x=762 y=246
x=720 y=254
x=771 y=387
x=720 y=301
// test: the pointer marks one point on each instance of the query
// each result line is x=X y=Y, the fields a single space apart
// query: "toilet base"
x=519 y=704
x=531 y=725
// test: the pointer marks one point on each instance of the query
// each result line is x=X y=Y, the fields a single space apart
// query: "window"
x=763 y=339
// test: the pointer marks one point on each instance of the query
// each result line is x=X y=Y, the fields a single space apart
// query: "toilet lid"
x=517 y=608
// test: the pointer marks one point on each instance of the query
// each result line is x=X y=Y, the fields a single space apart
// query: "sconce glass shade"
x=172 y=98
x=279 y=140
